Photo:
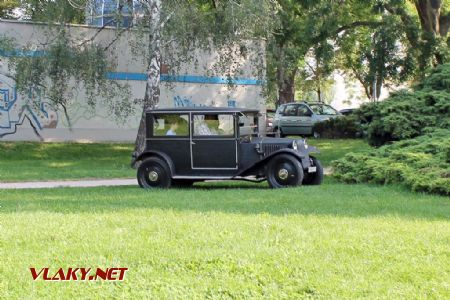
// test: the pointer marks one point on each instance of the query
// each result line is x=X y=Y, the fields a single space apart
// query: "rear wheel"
x=284 y=170
x=317 y=177
x=154 y=172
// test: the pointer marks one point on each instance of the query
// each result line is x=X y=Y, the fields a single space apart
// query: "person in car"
x=208 y=126
x=173 y=128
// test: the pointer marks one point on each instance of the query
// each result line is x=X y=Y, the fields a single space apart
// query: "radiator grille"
x=268 y=149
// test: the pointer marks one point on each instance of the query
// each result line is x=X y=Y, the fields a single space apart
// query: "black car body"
x=184 y=145
x=347 y=111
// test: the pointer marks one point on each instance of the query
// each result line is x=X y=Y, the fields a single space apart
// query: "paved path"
x=68 y=183
x=79 y=183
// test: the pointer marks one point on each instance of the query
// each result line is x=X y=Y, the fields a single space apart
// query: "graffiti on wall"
x=183 y=101
x=15 y=108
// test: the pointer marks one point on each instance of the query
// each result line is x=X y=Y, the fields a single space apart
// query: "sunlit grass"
x=334 y=149
x=230 y=240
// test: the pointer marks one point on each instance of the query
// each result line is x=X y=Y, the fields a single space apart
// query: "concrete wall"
x=193 y=85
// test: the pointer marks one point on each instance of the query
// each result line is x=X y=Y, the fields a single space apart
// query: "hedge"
x=421 y=164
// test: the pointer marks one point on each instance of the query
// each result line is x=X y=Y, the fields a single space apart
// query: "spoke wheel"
x=284 y=170
x=153 y=172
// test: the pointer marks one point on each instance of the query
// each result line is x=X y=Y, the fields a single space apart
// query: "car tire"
x=284 y=170
x=314 y=178
x=154 y=172
x=282 y=135
x=182 y=183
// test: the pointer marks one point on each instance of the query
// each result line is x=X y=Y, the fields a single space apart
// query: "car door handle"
x=192 y=143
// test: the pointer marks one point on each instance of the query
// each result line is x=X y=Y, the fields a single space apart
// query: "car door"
x=168 y=133
x=304 y=120
x=214 y=141
x=288 y=121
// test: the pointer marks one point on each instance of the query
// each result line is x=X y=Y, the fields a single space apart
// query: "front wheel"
x=153 y=172
x=315 y=178
x=284 y=170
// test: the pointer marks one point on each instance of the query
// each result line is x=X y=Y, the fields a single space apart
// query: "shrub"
x=339 y=128
x=408 y=114
x=421 y=164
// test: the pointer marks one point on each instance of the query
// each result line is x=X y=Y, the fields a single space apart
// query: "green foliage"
x=345 y=127
x=377 y=55
x=64 y=69
x=407 y=114
x=44 y=10
x=6 y=7
x=422 y=164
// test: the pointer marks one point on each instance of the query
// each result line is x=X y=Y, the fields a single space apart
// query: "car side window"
x=280 y=109
x=213 y=125
x=303 y=111
x=171 y=125
x=291 y=110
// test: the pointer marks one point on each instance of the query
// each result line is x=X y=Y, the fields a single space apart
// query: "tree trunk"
x=286 y=85
x=319 y=93
x=152 y=89
x=430 y=19
x=429 y=12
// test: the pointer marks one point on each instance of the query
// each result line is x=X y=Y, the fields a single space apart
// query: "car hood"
x=273 y=140
x=325 y=117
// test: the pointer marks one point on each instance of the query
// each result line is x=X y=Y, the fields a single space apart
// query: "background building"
x=22 y=116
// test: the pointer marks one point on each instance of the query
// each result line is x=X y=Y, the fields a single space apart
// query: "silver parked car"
x=298 y=118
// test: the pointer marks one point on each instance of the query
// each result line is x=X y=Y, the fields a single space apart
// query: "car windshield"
x=248 y=124
x=323 y=109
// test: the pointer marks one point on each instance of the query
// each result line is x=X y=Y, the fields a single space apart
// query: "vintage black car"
x=186 y=145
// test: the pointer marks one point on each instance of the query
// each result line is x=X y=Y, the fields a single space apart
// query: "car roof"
x=202 y=109
x=305 y=102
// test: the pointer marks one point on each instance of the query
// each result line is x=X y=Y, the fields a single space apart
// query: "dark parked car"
x=298 y=118
x=185 y=145
x=347 y=111
x=270 y=114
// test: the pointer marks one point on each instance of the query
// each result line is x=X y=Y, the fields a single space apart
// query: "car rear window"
x=323 y=109
x=171 y=125
x=213 y=125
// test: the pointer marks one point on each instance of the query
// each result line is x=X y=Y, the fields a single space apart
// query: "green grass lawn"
x=229 y=240
x=334 y=149
x=21 y=161
x=27 y=161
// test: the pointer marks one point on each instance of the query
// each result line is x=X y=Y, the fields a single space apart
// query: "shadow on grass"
x=229 y=197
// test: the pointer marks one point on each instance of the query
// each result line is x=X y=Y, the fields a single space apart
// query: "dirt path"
x=79 y=183
x=66 y=183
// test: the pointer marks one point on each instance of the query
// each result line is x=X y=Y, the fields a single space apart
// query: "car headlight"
x=294 y=145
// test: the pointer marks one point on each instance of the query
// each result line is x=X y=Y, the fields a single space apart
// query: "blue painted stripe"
x=126 y=76
x=22 y=53
x=183 y=78
x=143 y=76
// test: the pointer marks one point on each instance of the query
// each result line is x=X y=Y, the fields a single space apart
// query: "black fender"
x=303 y=157
x=158 y=154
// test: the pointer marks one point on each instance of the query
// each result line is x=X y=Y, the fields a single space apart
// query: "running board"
x=251 y=179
